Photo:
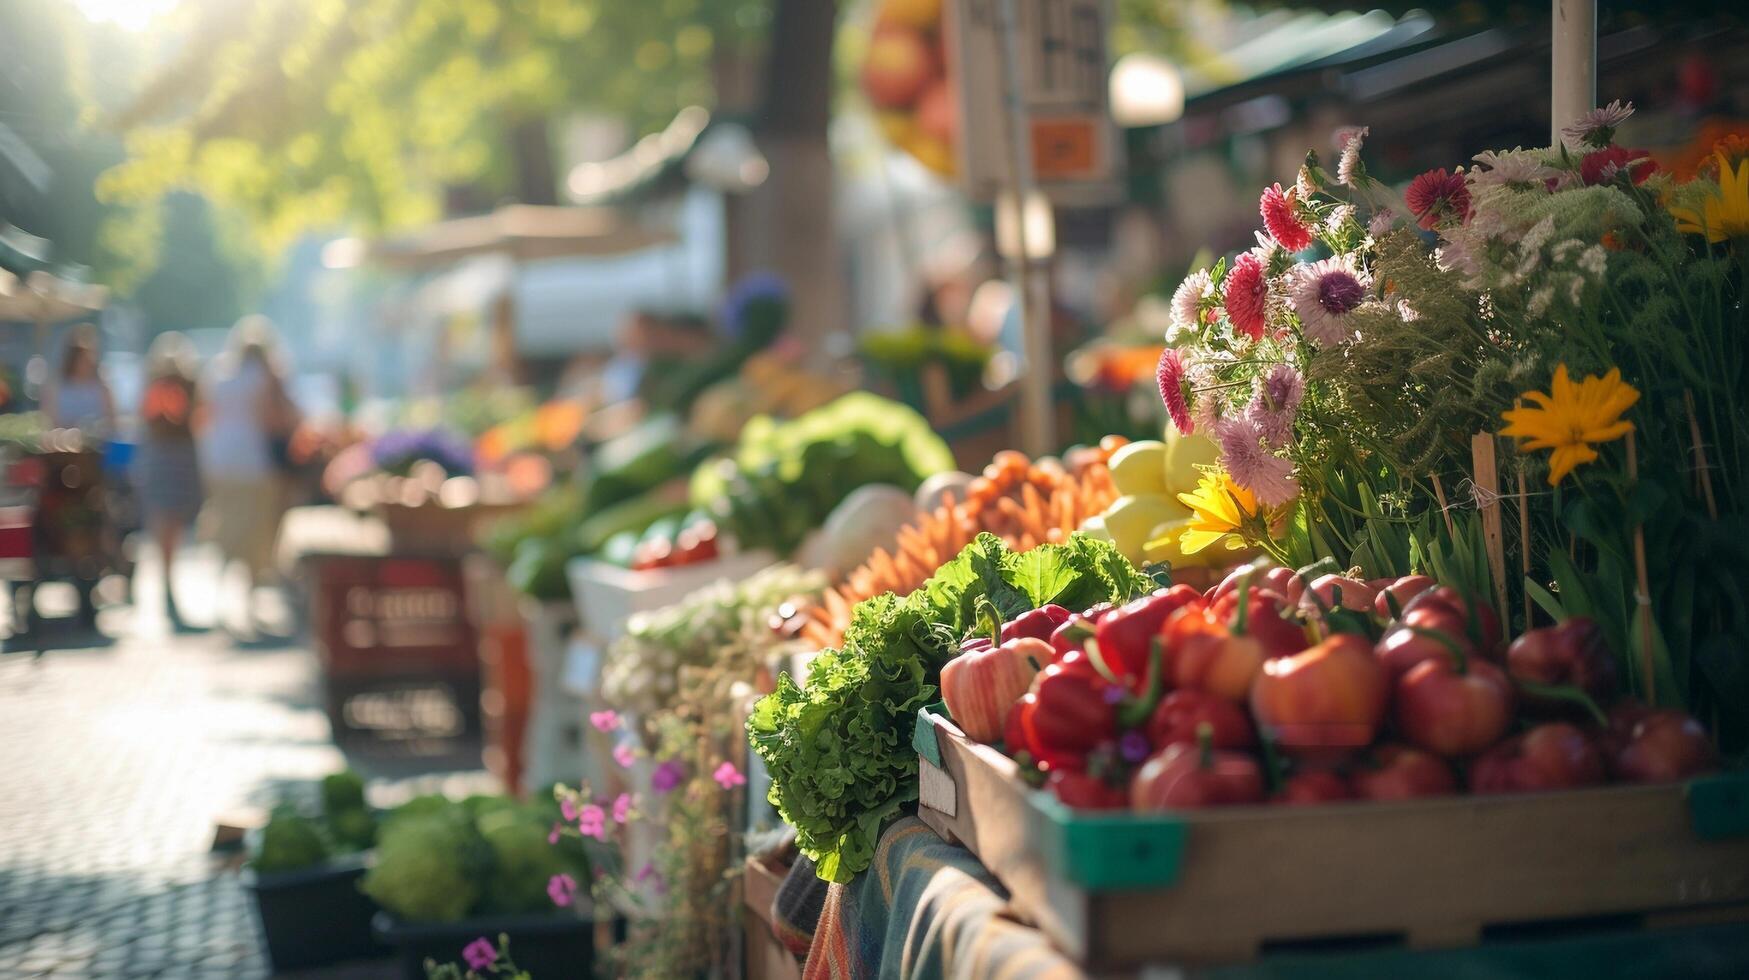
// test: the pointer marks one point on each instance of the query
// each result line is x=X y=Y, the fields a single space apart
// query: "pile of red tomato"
x=1270 y=688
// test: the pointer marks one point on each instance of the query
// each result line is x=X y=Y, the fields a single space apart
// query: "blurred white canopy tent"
x=44 y=298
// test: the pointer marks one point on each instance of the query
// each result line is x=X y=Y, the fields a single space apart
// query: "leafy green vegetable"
x=839 y=750
x=429 y=866
x=289 y=841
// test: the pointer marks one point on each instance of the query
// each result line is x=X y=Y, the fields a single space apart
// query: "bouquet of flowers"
x=1361 y=362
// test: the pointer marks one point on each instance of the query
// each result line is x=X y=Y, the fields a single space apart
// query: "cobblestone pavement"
x=120 y=759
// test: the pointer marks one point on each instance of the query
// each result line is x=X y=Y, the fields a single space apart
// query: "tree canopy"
x=329 y=113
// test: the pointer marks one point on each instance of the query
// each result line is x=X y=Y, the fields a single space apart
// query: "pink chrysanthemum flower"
x=1265 y=474
x=1246 y=295
x=1348 y=143
x=1597 y=127
x=1323 y=294
x=1189 y=297
x=1438 y=195
x=1381 y=222
x=1170 y=375
x=1514 y=169
x=1206 y=414
x=1279 y=216
x=1275 y=400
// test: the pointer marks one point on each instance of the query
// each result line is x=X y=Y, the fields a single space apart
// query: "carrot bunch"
x=1024 y=502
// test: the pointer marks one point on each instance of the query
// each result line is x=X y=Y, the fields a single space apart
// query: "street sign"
x=1062 y=99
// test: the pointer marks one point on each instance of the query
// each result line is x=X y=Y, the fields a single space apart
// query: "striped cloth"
x=926 y=910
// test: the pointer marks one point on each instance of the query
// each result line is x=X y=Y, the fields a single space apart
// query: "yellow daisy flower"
x=1571 y=417
x=1219 y=507
x=1725 y=214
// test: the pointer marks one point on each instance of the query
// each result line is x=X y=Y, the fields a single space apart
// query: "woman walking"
x=248 y=419
x=167 y=468
x=79 y=399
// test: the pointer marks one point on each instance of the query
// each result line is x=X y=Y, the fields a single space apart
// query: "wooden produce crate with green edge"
x=1223 y=885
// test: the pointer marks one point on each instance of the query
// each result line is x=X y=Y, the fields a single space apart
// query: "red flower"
x=1277 y=208
x=1170 y=375
x=1605 y=165
x=1437 y=195
x=1247 y=295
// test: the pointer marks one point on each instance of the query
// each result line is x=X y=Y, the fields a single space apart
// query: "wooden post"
x=1487 y=482
x=1524 y=541
x=1642 y=586
x=1573 y=66
x=1036 y=423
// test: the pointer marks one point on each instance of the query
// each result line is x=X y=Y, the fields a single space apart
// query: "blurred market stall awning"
x=44 y=298
x=520 y=231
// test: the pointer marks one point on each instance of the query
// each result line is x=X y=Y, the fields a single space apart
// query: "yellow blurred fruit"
x=1131 y=519
x=1140 y=468
x=898 y=127
x=932 y=153
x=1183 y=455
x=915 y=13
x=1163 y=546
x=1094 y=527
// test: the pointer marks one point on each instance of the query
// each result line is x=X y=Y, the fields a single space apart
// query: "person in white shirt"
x=247 y=422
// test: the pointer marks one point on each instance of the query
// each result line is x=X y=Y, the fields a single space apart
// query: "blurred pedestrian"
x=167 y=467
x=78 y=398
x=248 y=421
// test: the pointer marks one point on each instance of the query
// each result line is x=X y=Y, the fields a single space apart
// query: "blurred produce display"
x=904 y=77
x=784 y=478
x=899 y=356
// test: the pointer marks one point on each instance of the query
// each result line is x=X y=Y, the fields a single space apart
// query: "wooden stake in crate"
x=1487 y=483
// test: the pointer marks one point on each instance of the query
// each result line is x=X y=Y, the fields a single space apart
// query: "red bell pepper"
x=1039 y=623
x=1126 y=636
x=1073 y=710
x=1075 y=631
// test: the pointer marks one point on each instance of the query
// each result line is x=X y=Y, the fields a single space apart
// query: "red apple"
x=1322 y=703
x=1196 y=776
x=1402 y=590
x=1571 y=654
x=1454 y=708
x=899 y=65
x=1431 y=632
x=1355 y=595
x=1554 y=755
x=1180 y=714
x=1311 y=788
x=1399 y=772
x=1481 y=625
x=1664 y=747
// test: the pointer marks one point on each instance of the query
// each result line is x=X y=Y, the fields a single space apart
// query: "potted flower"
x=304 y=872
x=447 y=873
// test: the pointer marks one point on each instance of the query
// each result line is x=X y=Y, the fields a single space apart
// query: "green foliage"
x=523 y=861
x=429 y=864
x=839 y=750
x=309 y=114
x=290 y=841
x=342 y=791
x=784 y=478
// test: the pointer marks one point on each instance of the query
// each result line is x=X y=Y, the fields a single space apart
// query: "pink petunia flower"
x=625 y=754
x=568 y=808
x=592 y=822
x=480 y=954
x=1438 y=195
x=1279 y=216
x=604 y=721
x=729 y=777
x=1597 y=127
x=1246 y=294
x=667 y=776
x=562 y=889
x=1170 y=375
x=553 y=835
x=622 y=807
x=1263 y=473
x=1274 y=402
x=1323 y=293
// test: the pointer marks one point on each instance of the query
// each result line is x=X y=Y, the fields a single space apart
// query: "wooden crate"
x=767 y=957
x=1223 y=885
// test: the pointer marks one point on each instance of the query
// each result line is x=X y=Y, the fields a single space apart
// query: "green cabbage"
x=429 y=866
x=289 y=841
x=839 y=750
